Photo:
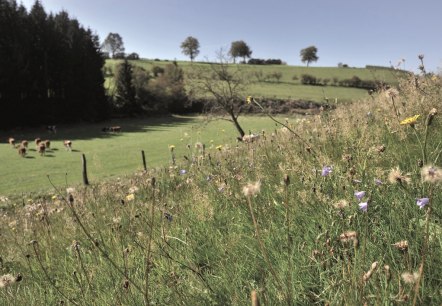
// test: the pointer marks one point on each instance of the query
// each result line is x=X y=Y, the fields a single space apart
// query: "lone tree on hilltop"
x=113 y=44
x=240 y=49
x=190 y=47
x=309 y=55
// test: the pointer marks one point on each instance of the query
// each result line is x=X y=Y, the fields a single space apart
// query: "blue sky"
x=354 y=32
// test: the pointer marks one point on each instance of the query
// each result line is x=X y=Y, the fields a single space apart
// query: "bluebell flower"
x=183 y=171
x=422 y=202
x=359 y=195
x=363 y=206
x=326 y=171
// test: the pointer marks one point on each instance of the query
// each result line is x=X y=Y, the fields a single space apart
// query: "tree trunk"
x=236 y=123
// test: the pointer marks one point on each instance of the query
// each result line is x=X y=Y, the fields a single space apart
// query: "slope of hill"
x=284 y=82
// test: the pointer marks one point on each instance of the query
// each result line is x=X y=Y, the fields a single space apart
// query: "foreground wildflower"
x=6 y=280
x=410 y=120
x=410 y=278
x=183 y=171
x=391 y=93
x=422 y=202
x=363 y=206
x=369 y=273
x=130 y=197
x=396 y=176
x=431 y=174
x=341 y=204
x=249 y=99
x=349 y=236
x=251 y=189
x=326 y=171
x=359 y=195
x=401 y=245
x=171 y=147
x=378 y=182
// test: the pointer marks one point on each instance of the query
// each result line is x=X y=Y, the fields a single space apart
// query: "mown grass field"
x=111 y=154
x=287 y=87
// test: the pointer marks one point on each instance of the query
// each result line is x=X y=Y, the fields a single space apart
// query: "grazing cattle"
x=37 y=141
x=22 y=151
x=51 y=128
x=47 y=144
x=24 y=143
x=111 y=129
x=11 y=142
x=42 y=149
x=68 y=145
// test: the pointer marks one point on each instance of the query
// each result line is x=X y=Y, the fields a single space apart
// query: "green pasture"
x=111 y=154
x=289 y=85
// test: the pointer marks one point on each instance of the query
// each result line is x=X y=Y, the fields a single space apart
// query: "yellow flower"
x=249 y=99
x=171 y=147
x=54 y=197
x=130 y=197
x=219 y=147
x=410 y=120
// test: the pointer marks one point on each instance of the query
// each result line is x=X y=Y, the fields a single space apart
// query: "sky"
x=352 y=32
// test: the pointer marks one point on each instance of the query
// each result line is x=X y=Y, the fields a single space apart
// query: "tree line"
x=50 y=68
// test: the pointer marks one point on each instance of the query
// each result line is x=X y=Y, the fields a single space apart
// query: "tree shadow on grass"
x=86 y=131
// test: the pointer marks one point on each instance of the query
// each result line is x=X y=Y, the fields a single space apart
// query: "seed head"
x=252 y=189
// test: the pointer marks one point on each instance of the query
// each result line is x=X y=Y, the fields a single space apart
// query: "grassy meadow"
x=340 y=208
x=287 y=87
x=110 y=155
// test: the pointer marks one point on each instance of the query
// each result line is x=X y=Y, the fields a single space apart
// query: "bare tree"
x=225 y=84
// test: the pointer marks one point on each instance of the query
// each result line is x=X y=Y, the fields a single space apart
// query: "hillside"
x=289 y=86
x=341 y=208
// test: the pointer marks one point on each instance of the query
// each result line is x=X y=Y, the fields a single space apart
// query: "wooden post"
x=85 y=180
x=144 y=160
x=254 y=296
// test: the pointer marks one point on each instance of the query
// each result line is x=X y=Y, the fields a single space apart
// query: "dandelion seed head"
x=410 y=278
x=7 y=280
x=431 y=174
x=252 y=189
x=401 y=245
x=396 y=177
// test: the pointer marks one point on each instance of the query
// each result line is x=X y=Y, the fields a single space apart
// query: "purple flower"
x=359 y=195
x=326 y=171
x=378 y=182
x=363 y=206
x=183 y=171
x=422 y=202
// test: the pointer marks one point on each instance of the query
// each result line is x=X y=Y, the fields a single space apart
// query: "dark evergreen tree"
x=125 y=94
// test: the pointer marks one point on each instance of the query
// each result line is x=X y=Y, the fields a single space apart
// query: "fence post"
x=85 y=180
x=144 y=160
x=254 y=296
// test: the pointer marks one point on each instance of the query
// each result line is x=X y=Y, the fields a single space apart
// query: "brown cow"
x=68 y=145
x=11 y=142
x=42 y=149
x=22 y=151
x=24 y=143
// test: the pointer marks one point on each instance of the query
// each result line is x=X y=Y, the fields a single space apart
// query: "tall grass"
x=204 y=232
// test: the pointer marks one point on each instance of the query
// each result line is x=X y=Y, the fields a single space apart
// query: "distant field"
x=111 y=154
x=288 y=87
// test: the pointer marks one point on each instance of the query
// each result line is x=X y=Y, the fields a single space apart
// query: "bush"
x=133 y=56
x=308 y=79
x=259 y=61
